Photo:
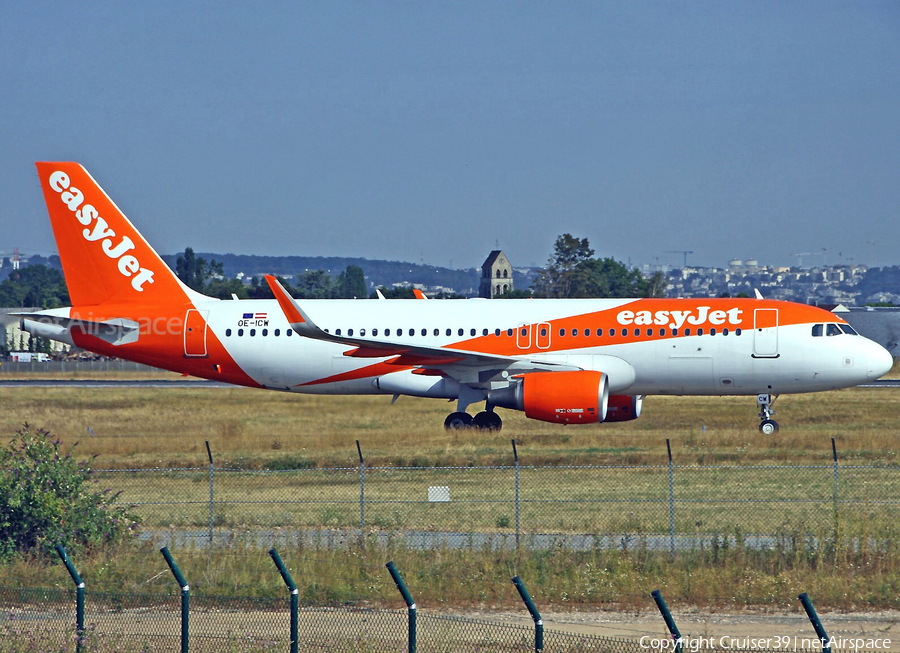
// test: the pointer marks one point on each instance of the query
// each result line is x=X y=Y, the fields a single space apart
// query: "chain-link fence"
x=582 y=507
x=44 y=620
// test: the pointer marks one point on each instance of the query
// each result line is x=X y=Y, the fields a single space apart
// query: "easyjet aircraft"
x=569 y=361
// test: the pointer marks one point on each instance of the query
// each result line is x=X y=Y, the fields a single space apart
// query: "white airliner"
x=568 y=361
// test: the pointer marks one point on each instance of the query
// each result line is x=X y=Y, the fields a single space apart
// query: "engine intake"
x=624 y=408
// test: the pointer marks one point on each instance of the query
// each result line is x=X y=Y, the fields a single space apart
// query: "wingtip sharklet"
x=288 y=304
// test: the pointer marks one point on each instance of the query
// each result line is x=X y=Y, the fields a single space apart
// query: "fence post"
x=295 y=599
x=185 y=596
x=362 y=488
x=79 y=597
x=410 y=605
x=209 y=455
x=814 y=620
x=834 y=457
x=671 y=500
x=533 y=611
x=667 y=616
x=516 y=457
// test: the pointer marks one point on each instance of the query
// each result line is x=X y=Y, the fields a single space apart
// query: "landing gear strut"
x=767 y=425
x=486 y=420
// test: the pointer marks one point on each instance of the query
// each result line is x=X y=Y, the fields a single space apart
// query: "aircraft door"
x=765 y=333
x=523 y=336
x=195 y=333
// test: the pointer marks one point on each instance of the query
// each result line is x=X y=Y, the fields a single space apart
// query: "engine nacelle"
x=624 y=408
x=559 y=397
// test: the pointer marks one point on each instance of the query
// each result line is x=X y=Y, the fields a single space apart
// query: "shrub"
x=47 y=498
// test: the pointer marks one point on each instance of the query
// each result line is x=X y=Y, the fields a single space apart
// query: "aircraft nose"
x=880 y=361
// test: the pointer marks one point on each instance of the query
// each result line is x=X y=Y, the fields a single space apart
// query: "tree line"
x=571 y=271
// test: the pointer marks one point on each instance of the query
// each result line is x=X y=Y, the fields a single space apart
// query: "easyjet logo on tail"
x=98 y=230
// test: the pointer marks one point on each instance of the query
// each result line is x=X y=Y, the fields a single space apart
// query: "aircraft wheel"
x=456 y=421
x=768 y=427
x=488 y=421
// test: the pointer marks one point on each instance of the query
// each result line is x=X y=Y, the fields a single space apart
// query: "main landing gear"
x=486 y=420
x=767 y=425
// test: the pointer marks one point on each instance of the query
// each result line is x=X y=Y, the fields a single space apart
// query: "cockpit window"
x=846 y=328
x=817 y=330
x=832 y=330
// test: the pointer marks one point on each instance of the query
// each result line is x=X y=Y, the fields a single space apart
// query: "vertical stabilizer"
x=104 y=258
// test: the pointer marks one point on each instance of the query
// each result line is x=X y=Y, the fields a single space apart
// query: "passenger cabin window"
x=278 y=332
x=337 y=332
x=227 y=333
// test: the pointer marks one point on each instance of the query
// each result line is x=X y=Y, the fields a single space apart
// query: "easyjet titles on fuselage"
x=677 y=319
x=128 y=265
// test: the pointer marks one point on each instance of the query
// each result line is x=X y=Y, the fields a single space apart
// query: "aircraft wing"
x=465 y=366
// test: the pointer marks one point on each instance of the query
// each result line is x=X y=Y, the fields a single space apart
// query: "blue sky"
x=432 y=131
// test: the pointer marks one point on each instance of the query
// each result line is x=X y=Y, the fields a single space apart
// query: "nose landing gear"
x=767 y=425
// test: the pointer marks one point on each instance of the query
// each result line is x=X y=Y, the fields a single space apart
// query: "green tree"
x=207 y=277
x=400 y=292
x=46 y=498
x=34 y=285
x=313 y=284
x=572 y=272
x=515 y=294
x=556 y=279
x=351 y=283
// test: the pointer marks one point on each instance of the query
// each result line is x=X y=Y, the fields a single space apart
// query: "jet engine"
x=578 y=397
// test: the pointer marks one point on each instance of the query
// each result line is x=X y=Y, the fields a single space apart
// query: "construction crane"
x=685 y=252
x=800 y=258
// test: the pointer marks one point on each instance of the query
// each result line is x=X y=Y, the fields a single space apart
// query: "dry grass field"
x=149 y=427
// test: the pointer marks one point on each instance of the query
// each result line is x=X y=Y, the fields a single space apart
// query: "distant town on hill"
x=851 y=285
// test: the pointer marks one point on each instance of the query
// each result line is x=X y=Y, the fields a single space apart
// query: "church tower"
x=496 y=275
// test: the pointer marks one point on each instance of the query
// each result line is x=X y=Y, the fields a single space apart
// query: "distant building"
x=496 y=275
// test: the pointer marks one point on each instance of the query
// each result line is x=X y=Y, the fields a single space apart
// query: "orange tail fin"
x=104 y=258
